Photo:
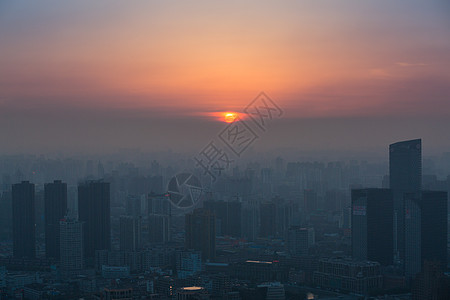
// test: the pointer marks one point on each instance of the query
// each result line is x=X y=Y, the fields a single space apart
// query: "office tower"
x=55 y=199
x=228 y=216
x=130 y=233
x=23 y=206
x=372 y=225
x=405 y=176
x=201 y=233
x=300 y=240
x=158 y=229
x=268 y=219
x=425 y=230
x=71 y=245
x=94 y=210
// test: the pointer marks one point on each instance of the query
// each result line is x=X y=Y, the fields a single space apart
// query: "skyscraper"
x=425 y=230
x=23 y=206
x=201 y=233
x=71 y=245
x=372 y=225
x=405 y=176
x=55 y=201
x=94 y=210
x=130 y=233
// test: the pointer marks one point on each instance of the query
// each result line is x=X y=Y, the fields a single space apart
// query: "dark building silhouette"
x=431 y=283
x=372 y=225
x=94 y=210
x=201 y=233
x=55 y=199
x=130 y=233
x=23 y=206
x=405 y=176
x=309 y=201
x=158 y=228
x=268 y=219
x=425 y=230
x=228 y=216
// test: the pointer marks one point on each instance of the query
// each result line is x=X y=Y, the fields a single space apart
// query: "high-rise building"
x=268 y=219
x=310 y=201
x=159 y=218
x=372 y=225
x=130 y=233
x=55 y=199
x=425 y=230
x=250 y=220
x=300 y=240
x=228 y=216
x=71 y=245
x=23 y=207
x=201 y=233
x=405 y=176
x=159 y=229
x=94 y=210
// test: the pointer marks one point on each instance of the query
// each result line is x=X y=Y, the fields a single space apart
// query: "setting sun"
x=229 y=117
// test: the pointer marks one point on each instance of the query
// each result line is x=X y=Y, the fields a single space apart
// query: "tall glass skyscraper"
x=94 y=209
x=372 y=225
x=55 y=197
x=405 y=176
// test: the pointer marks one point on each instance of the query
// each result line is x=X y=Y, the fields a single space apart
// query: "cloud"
x=405 y=64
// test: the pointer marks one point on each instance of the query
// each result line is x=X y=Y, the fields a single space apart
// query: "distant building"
x=158 y=204
x=113 y=272
x=273 y=290
x=310 y=201
x=71 y=245
x=192 y=293
x=347 y=275
x=94 y=210
x=228 y=215
x=159 y=228
x=372 y=225
x=130 y=233
x=118 y=294
x=260 y=271
x=425 y=230
x=188 y=263
x=268 y=219
x=431 y=283
x=23 y=214
x=300 y=240
x=201 y=233
x=55 y=199
x=405 y=176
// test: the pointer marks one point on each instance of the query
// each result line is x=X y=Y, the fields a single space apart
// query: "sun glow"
x=229 y=117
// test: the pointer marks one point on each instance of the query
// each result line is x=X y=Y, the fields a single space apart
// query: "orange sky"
x=193 y=58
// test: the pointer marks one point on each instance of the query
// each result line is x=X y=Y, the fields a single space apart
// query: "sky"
x=102 y=75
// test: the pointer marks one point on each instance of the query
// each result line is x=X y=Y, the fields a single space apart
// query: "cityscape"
x=240 y=150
